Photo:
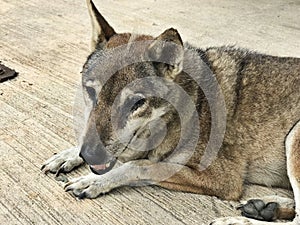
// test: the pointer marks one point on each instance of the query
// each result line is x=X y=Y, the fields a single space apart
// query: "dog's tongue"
x=99 y=167
x=102 y=168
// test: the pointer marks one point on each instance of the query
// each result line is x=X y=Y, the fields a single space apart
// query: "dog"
x=157 y=108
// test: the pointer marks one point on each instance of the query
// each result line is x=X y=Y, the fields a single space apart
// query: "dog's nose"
x=94 y=154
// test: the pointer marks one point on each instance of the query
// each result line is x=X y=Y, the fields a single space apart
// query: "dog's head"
x=126 y=81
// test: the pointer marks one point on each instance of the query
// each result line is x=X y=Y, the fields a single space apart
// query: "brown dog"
x=156 y=113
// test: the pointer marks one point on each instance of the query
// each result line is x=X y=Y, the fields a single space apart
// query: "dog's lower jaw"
x=103 y=168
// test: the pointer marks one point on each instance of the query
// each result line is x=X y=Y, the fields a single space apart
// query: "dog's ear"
x=166 y=52
x=102 y=31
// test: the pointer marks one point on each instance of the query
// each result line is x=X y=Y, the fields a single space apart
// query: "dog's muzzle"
x=97 y=158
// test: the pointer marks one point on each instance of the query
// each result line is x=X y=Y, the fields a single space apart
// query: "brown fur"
x=285 y=214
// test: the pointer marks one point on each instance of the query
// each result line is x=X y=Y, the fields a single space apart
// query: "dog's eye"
x=138 y=104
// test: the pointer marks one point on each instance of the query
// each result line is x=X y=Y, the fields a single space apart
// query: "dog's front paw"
x=63 y=162
x=232 y=221
x=90 y=186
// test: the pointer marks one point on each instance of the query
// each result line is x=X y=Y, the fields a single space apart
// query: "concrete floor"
x=47 y=42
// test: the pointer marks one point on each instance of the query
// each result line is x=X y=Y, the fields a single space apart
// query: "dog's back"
x=263 y=101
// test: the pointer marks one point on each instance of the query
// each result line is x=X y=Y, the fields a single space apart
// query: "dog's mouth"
x=103 y=168
x=98 y=159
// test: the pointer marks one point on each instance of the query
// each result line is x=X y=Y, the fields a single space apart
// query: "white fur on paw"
x=90 y=186
x=63 y=162
x=232 y=221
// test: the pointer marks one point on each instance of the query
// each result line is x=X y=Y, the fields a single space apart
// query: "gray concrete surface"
x=47 y=43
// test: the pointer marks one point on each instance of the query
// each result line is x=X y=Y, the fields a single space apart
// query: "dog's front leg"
x=133 y=173
x=212 y=181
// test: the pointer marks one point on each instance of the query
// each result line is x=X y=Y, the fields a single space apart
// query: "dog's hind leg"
x=269 y=208
x=292 y=145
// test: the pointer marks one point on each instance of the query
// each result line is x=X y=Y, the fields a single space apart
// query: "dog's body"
x=262 y=96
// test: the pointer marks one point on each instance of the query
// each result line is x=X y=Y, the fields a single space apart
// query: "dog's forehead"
x=128 y=82
x=115 y=42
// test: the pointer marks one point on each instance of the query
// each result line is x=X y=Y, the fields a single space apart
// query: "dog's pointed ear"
x=166 y=52
x=102 y=31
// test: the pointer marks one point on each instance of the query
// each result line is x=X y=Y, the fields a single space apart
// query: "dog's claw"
x=43 y=166
x=67 y=185
x=82 y=195
x=61 y=170
x=45 y=171
x=67 y=188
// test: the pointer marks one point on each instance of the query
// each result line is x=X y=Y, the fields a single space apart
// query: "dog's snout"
x=96 y=156
x=93 y=154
